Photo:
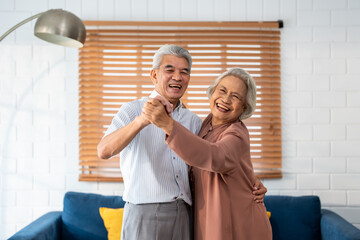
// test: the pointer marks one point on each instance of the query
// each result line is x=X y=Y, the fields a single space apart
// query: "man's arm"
x=116 y=141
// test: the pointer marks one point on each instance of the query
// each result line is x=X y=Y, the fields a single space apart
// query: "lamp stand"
x=19 y=24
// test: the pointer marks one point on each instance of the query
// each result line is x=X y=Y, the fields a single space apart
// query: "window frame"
x=116 y=50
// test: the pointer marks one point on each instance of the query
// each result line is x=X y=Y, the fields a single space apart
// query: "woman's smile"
x=228 y=100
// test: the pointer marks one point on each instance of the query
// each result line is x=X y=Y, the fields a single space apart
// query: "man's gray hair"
x=244 y=76
x=170 y=49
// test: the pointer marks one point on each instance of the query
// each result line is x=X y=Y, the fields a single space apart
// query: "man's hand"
x=259 y=191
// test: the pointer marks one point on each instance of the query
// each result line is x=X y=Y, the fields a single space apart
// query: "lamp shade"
x=60 y=27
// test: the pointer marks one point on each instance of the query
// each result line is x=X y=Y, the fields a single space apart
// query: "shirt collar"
x=154 y=93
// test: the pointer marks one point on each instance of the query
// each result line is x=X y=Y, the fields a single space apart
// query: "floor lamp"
x=56 y=26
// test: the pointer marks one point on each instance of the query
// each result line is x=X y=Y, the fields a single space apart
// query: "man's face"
x=172 y=78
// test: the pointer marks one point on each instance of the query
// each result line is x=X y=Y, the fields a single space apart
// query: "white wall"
x=320 y=100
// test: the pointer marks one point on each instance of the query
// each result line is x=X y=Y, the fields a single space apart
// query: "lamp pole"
x=20 y=24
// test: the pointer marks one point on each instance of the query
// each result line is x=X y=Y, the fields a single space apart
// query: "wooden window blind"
x=115 y=63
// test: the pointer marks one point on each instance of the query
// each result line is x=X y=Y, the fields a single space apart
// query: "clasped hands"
x=158 y=112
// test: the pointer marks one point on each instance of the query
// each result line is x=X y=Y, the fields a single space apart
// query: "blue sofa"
x=291 y=218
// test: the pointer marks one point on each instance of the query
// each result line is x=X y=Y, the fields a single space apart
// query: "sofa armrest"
x=335 y=227
x=47 y=226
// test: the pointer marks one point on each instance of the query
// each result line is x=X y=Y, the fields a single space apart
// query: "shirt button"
x=177 y=176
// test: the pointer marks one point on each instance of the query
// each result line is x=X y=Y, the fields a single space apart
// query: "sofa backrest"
x=294 y=217
x=81 y=218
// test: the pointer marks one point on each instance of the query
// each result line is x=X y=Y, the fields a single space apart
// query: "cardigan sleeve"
x=220 y=157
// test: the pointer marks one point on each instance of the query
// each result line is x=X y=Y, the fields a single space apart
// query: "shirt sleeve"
x=126 y=114
x=220 y=157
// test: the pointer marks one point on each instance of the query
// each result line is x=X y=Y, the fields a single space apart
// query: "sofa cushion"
x=113 y=218
x=294 y=217
x=81 y=218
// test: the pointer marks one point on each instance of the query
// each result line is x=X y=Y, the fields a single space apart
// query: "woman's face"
x=228 y=100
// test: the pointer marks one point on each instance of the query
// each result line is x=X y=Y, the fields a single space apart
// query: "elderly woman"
x=220 y=158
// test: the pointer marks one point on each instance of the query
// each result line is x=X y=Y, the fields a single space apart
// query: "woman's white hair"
x=170 y=49
x=244 y=76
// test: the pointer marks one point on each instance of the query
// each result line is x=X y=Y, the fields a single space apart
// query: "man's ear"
x=153 y=76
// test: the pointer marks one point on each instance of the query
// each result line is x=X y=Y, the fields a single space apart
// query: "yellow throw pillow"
x=112 y=218
x=269 y=214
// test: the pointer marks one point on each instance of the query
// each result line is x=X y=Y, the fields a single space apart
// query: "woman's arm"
x=216 y=157
x=195 y=151
x=221 y=156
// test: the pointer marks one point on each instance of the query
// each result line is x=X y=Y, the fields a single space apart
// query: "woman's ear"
x=153 y=76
